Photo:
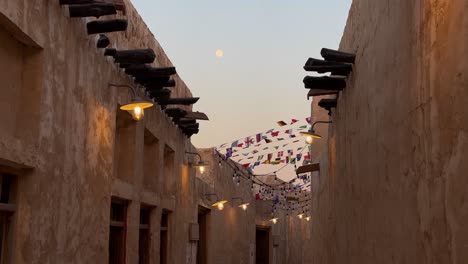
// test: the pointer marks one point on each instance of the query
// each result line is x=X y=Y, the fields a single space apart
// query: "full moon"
x=219 y=53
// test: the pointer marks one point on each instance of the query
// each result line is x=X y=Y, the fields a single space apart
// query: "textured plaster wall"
x=60 y=120
x=396 y=185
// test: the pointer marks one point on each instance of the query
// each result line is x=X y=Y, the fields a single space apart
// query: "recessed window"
x=164 y=236
x=145 y=236
x=117 y=233
x=7 y=211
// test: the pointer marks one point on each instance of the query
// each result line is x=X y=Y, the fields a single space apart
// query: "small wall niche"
x=124 y=151
x=151 y=161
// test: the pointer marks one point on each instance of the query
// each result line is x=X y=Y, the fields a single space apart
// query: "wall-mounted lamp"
x=242 y=204
x=137 y=105
x=274 y=220
x=219 y=203
x=311 y=134
x=201 y=165
x=307 y=218
x=300 y=216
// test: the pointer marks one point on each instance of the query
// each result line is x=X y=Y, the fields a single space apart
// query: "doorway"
x=202 y=246
x=262 y=245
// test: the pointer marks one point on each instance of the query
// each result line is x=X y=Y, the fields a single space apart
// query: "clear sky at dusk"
x=265 y=44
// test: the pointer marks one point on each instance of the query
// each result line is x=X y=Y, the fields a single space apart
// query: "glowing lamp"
x=307 y=218
x=201 y=166
x=310 y=136
x=136 y=107
x=274 y=220
x=300 y=216
x=219 y=204
x=244 y=206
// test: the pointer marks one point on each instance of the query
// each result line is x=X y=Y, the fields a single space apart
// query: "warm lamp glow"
x=220 y=205
x=307 y=218
x=244 y=206
x=201 y=166
x=310 y=135
x=300 y=216
x=274 y=220
x=136 y=108
x=219 y=53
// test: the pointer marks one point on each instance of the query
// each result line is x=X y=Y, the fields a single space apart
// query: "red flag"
x=275 y=134
x=246 y=165
x=308 y=120
x=294 y=121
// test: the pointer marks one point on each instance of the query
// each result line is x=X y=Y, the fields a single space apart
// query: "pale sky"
x=264 y=45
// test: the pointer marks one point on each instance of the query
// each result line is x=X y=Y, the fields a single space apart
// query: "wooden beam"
x=102 y=42
x=92 y=10
x=104 y=26
x=190 y=126
x=196 y=115
x=137 y=70
x=176 y=112
x=180 y=101
x=157 y=84
x=337 y=56
x=119 y=4
x=321 y=66
x=336 y=83
x=320 y=92
x=186 y=121
x=148 y=78
x=308 y=168
x=134 y=56
x=328 y=104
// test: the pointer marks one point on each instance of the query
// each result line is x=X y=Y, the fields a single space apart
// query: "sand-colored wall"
x=396 y=187
x=58 y=133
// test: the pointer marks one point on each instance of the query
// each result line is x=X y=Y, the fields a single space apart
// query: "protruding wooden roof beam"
x=321 y=66
x=157 y=84
x=186 y=121
x=137 y=70
x=102 y=42
x=190 y=126
x=328 y=104
x=105 y=26
x=176 y=112
x=92 y=10
x=336 y=83
x=337 y=56
x=119 y=4
x=180 y=101
x=196 y=115
x=134 y=56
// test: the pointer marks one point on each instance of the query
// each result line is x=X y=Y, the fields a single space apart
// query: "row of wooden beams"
x=328 y=104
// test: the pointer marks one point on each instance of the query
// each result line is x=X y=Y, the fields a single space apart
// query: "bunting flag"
x=267 y=140
x=265 y=148
x=258 y=137
x=292 y=136
x=281 y=123
x=260 y=157
x=234 y=144
x=308 y=120
x=293 y=161
x=229 y=153
x=294 y=121
x=280 y=153
x=298 y=157
x=307 y=156
x=288 y=131
x=275 y=134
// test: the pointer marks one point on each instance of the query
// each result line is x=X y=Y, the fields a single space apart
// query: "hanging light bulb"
x=201 y=166
x=219 y=204
x=244 y=206
x=136 y=108
x=309 y=140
